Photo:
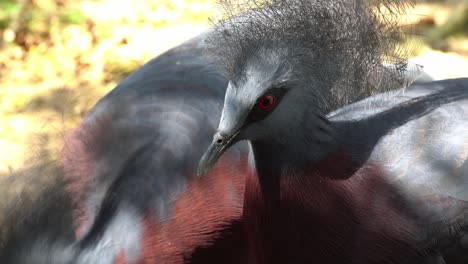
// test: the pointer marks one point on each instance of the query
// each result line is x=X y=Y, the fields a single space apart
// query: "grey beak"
x=219 y=145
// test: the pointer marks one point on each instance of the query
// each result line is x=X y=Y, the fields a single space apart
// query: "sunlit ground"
x=77 y=56
x=47 y=89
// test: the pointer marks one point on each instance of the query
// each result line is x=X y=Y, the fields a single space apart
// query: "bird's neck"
x=310 y=209
x=315 y=146
x=288 y=201
x=329 y=159
x=284 y=209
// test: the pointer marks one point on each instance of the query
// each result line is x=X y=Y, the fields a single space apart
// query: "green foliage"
x=8 y=5
x=5 y=23
x=71 y=16
x=8 y=8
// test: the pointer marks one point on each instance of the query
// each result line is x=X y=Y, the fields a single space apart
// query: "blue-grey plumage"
x=417 y=134
x=139 y=146
x=416 y=137
x=147 y=185
x=366 y=174
x=134 y=156
x=147 y=136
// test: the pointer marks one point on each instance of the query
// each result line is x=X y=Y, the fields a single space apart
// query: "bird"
x=334 y=177
x=131 y=165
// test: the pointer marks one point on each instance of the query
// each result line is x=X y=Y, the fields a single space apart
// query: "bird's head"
x=291 y=62
x=258 y=106
x=269 y=104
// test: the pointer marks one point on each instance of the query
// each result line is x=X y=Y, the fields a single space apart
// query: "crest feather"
x=347 y=47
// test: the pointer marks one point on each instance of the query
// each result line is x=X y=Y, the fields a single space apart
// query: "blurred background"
x=58 y=57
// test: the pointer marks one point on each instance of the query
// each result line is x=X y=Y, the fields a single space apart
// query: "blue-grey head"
x=289 y=63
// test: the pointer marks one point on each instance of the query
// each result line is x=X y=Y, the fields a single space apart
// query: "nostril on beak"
x=219 y=139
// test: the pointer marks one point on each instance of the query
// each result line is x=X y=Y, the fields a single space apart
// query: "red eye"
x=266 y=102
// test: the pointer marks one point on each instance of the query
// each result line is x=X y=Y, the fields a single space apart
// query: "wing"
x=429 y=159
x=420 y=136
x=131 y=164
x=425 y=143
